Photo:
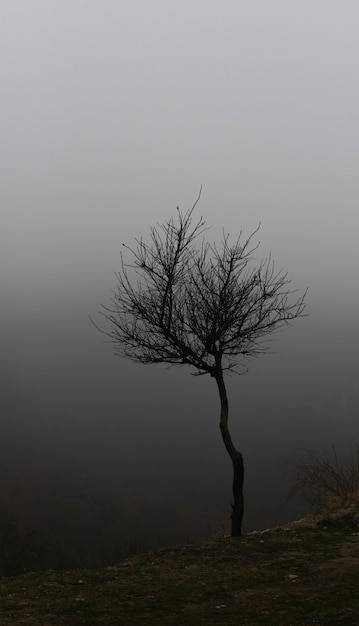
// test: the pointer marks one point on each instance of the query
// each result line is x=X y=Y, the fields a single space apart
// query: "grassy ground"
x=298 y=575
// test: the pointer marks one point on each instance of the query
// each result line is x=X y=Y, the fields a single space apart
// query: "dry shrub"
x=325 y=481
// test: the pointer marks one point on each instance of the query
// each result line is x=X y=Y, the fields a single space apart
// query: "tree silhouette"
x=184 y=301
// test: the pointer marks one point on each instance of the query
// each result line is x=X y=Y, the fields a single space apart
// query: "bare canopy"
x=184 y=301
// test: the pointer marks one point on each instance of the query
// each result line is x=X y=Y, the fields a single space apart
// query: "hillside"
x=297 y=575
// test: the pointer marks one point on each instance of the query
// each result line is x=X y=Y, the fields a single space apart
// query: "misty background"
x=112 y=114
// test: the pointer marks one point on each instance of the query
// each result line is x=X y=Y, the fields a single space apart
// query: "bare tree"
x=200 y=305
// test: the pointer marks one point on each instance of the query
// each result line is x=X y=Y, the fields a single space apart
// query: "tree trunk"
x=236 y=458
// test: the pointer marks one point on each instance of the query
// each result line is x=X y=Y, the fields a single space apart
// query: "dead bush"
x=326 y=480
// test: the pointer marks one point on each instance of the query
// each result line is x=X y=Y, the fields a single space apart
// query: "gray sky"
x=115 y=112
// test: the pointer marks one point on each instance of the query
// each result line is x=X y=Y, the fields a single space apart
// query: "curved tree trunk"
x=236 y=458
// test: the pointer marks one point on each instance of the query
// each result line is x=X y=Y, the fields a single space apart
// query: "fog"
x=112 y=115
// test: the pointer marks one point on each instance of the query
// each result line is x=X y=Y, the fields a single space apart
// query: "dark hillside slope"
x=302 y=574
